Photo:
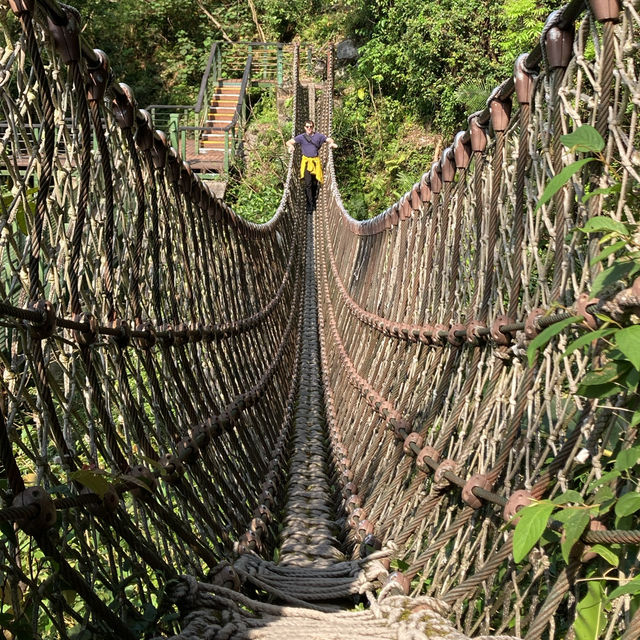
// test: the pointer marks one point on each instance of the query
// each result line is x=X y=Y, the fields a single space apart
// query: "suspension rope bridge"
x=317 y=427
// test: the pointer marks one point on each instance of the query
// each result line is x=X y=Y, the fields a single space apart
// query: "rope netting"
x=255 y=422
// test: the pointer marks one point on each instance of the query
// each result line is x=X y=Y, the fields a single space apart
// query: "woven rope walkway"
x=311 y=566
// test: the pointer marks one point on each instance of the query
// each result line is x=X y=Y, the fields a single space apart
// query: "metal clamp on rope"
x=106 y=503
x=159 y=150
x=89 y=336
x=49 y=321
x=145 y=482
x=453 y=339
x=531 y=328
x=557 y=43
x=187 y=450
x=66 y=37
x=124 y=338
x=363 y=529
x=149 y=339
x=478 y=136
x=414 y=438
x=605 y=10
x=523 y=79
x=225 y=577
x=500 y=109
x=447 y=465
x=462 y=150
x=124 y=105
x=477 y=480
x=99 y=76
x=517 y=500
x=500 y=337
x=173 y=468
x=45 y=515
x=421 y=460
x=397 y=584
x=582 y=303
x=144 y=130
x=473 y=336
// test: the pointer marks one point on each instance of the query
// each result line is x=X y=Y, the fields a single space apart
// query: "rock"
x=346 y=52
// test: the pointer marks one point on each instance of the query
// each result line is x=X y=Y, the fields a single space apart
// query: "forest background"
x=421 y=69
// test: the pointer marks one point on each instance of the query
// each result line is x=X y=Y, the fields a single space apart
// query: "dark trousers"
x=311 y=190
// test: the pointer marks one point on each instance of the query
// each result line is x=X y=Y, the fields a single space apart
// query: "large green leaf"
x=628 y=341
x=575 y=522
x=627 y=458
x=608 y=554
x=607 y=251
x=587 y=339
x=590 y=618
x=531 y=525
x=610 y=275
x=600 y=224
x=544 y=336
x=611 y=371
x=633 y=586
x=558 y=181
x=94 y=480
x=584 y=138
x=629 y=503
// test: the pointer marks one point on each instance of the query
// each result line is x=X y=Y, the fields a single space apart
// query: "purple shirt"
x=310 y=148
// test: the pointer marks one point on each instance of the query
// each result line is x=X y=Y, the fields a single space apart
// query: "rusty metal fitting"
x=594 y=525
x=20 y=7
x=447 y=164
x=174 y=165
x=85 y=338
x=159 y=150
x=226 y=577
x=48 y=325
x=401 y=427
x=531 y=329
x=364 y=529
x=435 y=178
x=394 y=215
x=427 y=452
x=501 y=338
x=461 y=150
x=605 y=10
x=413 y=438
x=187 y=450
x=425 y=188
x=405 y=207
x=201 y=435
x=476 y=480
x=107 y=504
x=446 y=465
x=349 y=489
x=258 y=526
x=559 y=45
x=478 y=136
x=124 y=338
x=99 y=75
x=353 y=503
x=263 y=512
x=397 y=584
x=181 y=334
x=144 y=480
x=582 y=303
x=427 y=334
x=166 y=335
x=144 y=130
x=186 y=177
x=415 y=197
x=124 y=106
x=472 y=327
x=453 y=339
x=46 y=511
x=357 y=515
x=249 y=541
x=266 y=497
x=173 y=468
x=66 y=37
x=347 y=475
x=523 y=79
x=195 y=332
x=517 y=500
x=500 y=109
x=370 y=545
x=150 y=339
x=440 y=328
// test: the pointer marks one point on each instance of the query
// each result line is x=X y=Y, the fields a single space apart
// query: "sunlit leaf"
x=558 y=181
x=629 y=503
x=584 y=138
x=531 y=525
x=607 y=554
x=633 y=586
x=544 y=336
x=590 y=618
x=587 y=339
x=611 y=275
x=599 y=224
x=628 y=341
x=627 y=458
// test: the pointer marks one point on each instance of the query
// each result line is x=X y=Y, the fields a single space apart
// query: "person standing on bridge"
x=310 y=168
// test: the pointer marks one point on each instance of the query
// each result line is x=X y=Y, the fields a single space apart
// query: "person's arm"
x=331 y=143
x=291 y=143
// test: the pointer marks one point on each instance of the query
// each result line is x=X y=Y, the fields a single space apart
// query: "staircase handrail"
x=214 y=57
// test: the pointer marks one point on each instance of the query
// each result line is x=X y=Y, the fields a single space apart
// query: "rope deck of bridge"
x=211 y=428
